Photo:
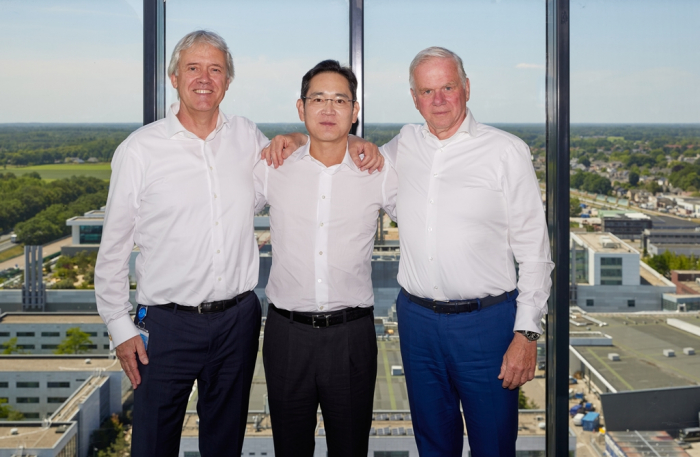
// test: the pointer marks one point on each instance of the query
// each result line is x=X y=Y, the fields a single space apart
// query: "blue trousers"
x=219 y=351
x=456 y=358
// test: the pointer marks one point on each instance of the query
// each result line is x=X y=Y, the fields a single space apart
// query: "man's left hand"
x=281 y=147
x=372 y=159
x=519 y=362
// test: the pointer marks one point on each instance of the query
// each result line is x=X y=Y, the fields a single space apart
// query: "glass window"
x=25 y=346
x=27 y=399
x=4 y=384
x=27 y=384
x=589 y=302
x=49 y=346
x=25 y=334
x=90 y=234
x=56 y=399
x=60 y=384
x=30 y=415
x=273 y=45
x=630 y=303
x=4 y=334
x=50 y=334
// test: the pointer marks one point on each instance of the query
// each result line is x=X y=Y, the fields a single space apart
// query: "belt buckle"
x=314 y=321
x=199 y=308
x=438 y=302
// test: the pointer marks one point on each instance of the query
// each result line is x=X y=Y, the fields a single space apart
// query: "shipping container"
x=590 y=422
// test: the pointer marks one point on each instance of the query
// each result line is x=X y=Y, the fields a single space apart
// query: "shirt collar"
x=304 y=152
x=173 y=126
x=468 y=126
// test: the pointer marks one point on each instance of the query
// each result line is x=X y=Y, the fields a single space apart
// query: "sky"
x=632 y=61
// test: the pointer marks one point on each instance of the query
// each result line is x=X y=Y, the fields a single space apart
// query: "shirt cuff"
x=528 y=318
x=122 y=329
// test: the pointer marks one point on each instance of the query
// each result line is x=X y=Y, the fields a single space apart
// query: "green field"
x=65 y=170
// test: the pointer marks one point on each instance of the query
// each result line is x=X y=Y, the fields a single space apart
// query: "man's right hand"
x=127 y=353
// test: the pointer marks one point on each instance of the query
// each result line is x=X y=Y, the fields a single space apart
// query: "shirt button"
x=216 y=223
x=219 y=252
x=434 y=175
x=219 y=279
x=439 y=150
x=211 y=168
x=321 y=308
x=430 y=258
x=430 y=229
x=435 y=287
x=323 y=197
x=320 y=252
x=319 y=280
x=214 y=195
x=321 y=224
x=431 y=201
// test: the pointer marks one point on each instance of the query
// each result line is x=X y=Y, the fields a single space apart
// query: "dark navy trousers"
x=219 y=351
x=456 y=358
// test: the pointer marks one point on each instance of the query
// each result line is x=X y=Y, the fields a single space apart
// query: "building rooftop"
x=50 y=318
x=606 y=242
x=640 y=340
x=259 y=426
x=32 y=435
x=71 y=406
x=25 y=362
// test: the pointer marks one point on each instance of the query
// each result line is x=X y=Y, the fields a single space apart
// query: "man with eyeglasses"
x=468 y=206
x=320 y=345
x=182 y=190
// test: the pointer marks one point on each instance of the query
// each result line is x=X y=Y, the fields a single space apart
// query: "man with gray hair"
x=182 y=191
x=468 y=205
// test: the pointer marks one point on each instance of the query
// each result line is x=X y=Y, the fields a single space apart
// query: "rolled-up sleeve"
x=112 y=267
x=528 y=238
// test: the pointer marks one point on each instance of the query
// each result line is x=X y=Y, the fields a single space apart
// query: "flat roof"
x=651 y=278
x=70 y=407
x=640 y=339
x=660 y=222
x=31 y=435
x=528 y=424
x=41 y=363
x=50 y=318
x=594 y=240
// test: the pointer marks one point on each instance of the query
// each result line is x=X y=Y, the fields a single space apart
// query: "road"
x=49 y=249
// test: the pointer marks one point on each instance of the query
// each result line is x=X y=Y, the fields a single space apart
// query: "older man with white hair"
x=182 y=191
x=468 y=206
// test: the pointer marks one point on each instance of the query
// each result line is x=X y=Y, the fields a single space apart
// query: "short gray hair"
x=435 y=52
x=201 y=36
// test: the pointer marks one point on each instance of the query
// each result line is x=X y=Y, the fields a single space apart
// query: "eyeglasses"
x=340 y=102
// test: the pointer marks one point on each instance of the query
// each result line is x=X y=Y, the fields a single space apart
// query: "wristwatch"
x=531 y=336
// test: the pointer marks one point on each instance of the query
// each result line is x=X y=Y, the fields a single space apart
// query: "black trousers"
x=219 y=351
x=335 y=367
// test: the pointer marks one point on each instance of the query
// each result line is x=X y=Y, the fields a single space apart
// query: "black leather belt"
x=209 y=307
x=324 y=320
x=458 y=306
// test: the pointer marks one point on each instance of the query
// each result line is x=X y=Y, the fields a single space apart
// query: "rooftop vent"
x=88 y=361
x=608 y=243
x=14 y=431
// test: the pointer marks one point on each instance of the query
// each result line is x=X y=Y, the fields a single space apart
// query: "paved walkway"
x=49 y=249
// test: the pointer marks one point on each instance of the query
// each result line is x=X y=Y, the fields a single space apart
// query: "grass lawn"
x=14 y=251
x=65 y=170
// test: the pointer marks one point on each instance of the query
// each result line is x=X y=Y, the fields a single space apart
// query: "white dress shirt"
x=187 y=203
x=466 y=207
x=323 y=221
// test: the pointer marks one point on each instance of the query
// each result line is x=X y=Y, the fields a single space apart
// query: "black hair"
x=329 y=66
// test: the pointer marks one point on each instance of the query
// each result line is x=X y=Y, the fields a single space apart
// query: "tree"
x=524 y=402
x=633 y=178
x=8 y=412
x=10 y=347
x=76 y=342
x=574 y=207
